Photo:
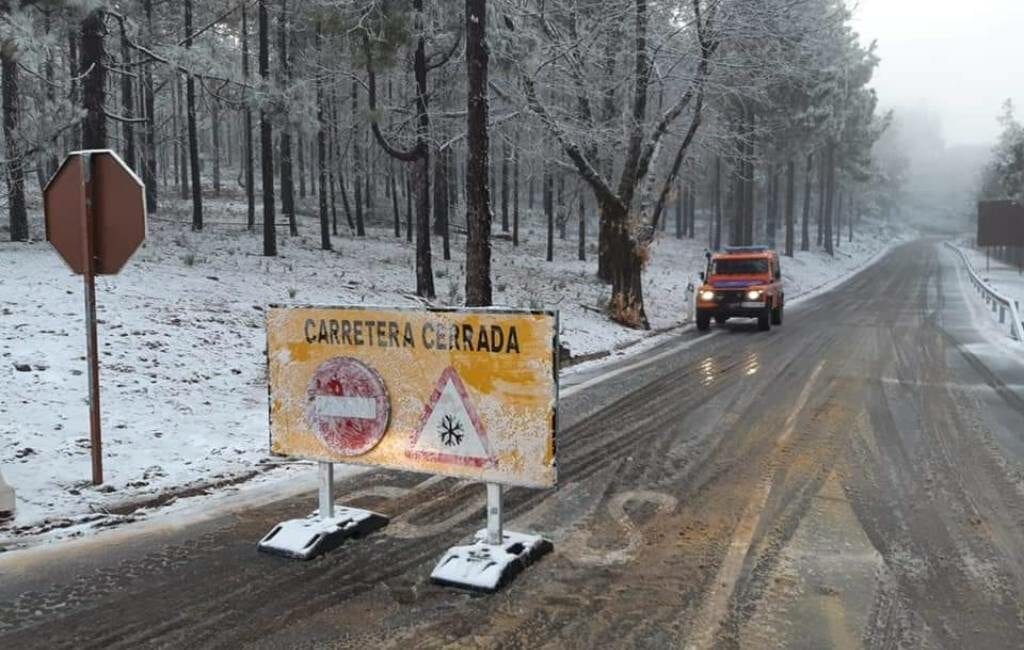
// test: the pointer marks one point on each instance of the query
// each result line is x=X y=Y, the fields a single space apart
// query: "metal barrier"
x=999 y=303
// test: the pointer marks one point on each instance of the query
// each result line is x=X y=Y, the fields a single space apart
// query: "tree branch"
x=583 y=166
x=408 y=155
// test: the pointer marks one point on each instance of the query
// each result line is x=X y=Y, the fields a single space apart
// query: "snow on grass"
x=182 y=345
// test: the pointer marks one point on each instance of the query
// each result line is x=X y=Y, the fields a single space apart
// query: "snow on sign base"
x=487 y=567
x=304 y=539
x=468 y=393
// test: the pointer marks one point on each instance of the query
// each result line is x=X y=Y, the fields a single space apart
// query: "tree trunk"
x=604 y=249
x=75 y=71
x=441 y=162
x=830 y=186
x=93 y=73
x=215 y=137
x=504 y=185
x=771 y=195
x=805 y=226
x=549 y=212
x=679 y=211
x=840 y=197
x=822 y=192
x=321 y=144
x=790 y=207
x=250 y=165
x=357 y=162
x=51 y=98
x=301 y=153
x=581 y=249
x=515 y=191
x=408 y=207
x=478 y=199
x=193 y=136
x=627 y=305
x=562 y=212
x=11 y=118
x=127 y=104
x=849 y=220
x=692 y=209
x=266 y=139
x=182 y=136
x=716 y=244
x=287 y=178
x=149 y=167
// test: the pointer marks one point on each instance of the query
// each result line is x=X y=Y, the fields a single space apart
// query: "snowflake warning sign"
x=468 y=393
x=451 y=431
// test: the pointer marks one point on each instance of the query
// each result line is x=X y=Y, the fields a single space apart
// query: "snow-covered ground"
x=1006 y=280
x=182 y=347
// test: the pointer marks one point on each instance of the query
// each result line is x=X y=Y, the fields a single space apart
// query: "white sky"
x=959 y=58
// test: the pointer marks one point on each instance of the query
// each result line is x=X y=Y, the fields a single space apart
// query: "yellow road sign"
x=469 y=393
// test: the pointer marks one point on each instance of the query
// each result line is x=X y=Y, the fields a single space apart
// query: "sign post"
x=91 y=345
x=95 y=213
x=468 y=393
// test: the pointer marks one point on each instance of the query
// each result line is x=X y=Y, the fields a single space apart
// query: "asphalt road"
x=854 y=478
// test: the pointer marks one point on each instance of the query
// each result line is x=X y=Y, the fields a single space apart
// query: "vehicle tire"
x=777 y=315
x=703 y=321
x=764 y=321
x=721 y=319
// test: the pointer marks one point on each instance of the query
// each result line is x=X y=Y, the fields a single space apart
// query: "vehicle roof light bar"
x=746 y=249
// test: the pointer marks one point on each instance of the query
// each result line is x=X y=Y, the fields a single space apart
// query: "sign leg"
x=326 y=490
x=494 y=513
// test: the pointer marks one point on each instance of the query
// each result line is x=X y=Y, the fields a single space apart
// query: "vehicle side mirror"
x=702 y=275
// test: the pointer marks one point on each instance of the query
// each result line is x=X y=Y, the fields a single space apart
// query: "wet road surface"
x=854 y=478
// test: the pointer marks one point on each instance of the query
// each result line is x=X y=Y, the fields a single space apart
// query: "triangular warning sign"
x=450 y=430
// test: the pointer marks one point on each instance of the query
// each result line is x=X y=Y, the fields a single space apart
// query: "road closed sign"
x=467 y=393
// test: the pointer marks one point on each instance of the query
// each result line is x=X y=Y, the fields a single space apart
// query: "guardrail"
x=999 y=303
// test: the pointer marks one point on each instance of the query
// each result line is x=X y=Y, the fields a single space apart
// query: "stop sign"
x=117 y=215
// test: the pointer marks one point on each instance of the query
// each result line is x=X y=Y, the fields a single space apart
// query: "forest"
x=607 y=119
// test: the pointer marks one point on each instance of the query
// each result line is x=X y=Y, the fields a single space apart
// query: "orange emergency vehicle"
x=742 y=282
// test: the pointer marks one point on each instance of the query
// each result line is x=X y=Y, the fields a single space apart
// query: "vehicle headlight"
x=754 y=294
x=707 y=295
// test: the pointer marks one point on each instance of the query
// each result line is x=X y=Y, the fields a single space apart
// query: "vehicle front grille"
x=729 y=297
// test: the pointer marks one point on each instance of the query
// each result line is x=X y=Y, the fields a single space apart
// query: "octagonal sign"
x=118 y=210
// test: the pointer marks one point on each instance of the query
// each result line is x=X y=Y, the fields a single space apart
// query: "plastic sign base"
x=304 y=539
x=488 y=567
x=7 y=501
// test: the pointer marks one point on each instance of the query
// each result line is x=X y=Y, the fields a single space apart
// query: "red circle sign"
x=347 y=406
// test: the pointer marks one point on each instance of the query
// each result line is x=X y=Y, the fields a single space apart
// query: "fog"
x=946 y=69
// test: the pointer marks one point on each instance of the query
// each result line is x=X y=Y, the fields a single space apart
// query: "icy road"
x=853 y=478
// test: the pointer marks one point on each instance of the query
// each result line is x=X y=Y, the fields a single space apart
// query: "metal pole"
x=326 y=490
x=92 y=349
x=494 y=533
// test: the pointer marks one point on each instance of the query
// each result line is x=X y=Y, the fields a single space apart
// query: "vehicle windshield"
x=730 y=266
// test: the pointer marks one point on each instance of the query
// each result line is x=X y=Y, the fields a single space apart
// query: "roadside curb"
x=625 y=345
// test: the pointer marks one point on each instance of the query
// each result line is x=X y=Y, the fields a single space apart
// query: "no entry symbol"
x=348 y=406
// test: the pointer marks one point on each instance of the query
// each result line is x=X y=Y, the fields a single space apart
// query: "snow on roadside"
x=1004 y=279
x=182 y=341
